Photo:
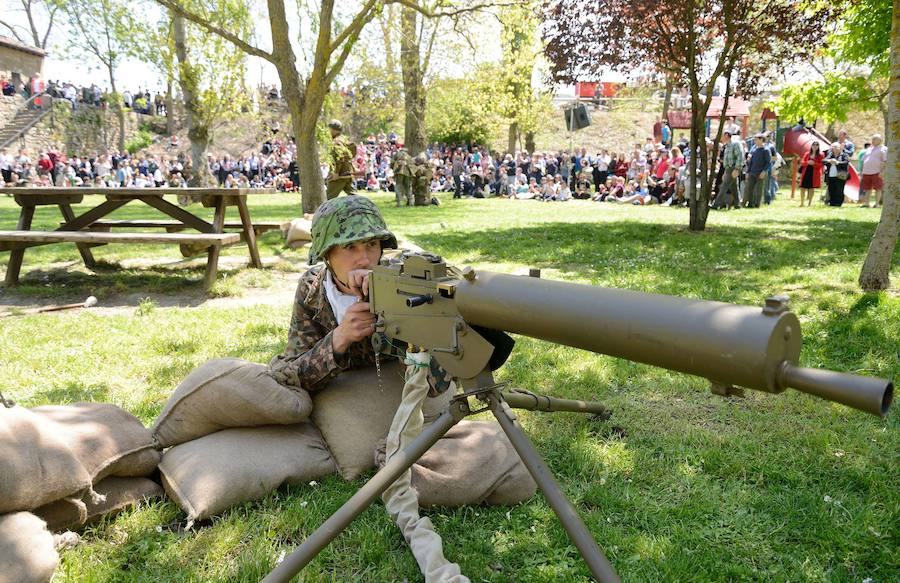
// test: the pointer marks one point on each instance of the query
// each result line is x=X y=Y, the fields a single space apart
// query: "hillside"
x=615 y=130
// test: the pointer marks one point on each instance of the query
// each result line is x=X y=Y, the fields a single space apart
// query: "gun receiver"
x=421 y=301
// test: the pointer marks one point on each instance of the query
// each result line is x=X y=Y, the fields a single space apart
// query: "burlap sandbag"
x=226 y=393
x=107 y=440
x=116 y=494
x=213 y=473
x=353 y=414
x=299 y=231
x=473 y=463
x=27 y=554
x=36 y=464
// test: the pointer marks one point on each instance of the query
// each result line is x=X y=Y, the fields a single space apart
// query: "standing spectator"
x=6 y=163
x=810 y=172
x=845 y=143
x=666 y=135
x=860 y=156
x=126 y=98
x=732 y=128
x=874 y=162
x=838 y=163
x=732 y=160
x=456 y=170
x=757 y=170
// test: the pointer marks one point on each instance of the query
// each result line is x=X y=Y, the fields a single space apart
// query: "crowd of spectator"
x=140 y=101
x=273 y=167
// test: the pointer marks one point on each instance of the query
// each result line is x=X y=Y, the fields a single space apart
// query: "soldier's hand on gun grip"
x=358 y=282
x=358 y=324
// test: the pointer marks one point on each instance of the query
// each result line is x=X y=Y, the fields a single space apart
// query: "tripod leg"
x=578 y=532
x=364 y=497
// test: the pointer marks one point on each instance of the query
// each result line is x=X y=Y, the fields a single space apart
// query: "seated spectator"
x=372 y=183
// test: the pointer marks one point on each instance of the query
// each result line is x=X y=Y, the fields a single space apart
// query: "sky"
x=455 y=61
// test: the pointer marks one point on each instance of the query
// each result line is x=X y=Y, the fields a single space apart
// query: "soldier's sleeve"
x=308 y=362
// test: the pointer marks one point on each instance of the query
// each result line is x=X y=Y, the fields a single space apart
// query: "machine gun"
x=461 y=316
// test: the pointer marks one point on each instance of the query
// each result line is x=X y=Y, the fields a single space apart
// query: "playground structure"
x=739 y=109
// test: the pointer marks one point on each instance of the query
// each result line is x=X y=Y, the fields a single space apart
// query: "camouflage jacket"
x=308 y=361
x=341 y=158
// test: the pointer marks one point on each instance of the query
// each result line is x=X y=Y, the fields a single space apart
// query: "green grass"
x=679 y=485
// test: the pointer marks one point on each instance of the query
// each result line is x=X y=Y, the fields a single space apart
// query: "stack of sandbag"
x=61 y=466
x=116 y=451
x=233 y=435
x=299 y=232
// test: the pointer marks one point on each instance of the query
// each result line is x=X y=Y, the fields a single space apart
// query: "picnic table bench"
x=90 y=229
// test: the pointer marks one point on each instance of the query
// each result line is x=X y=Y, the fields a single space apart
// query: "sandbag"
x=120 y=493
x=353 y=414
x=107 y=440
x=473 y=463
x=36 y=464
x=27 y=554
x=64 y=514
x=213 y=473
x=300 y=230
x=226 y=393
x=116 y=494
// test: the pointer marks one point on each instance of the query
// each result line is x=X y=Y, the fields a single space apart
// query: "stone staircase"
x=23 y=121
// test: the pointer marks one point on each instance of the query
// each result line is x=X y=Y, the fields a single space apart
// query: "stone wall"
x=83 y=131
x=8 y=108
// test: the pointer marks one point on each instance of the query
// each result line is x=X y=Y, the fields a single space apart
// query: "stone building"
x=18 y=61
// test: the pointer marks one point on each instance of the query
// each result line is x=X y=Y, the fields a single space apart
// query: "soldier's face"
x=359 y=255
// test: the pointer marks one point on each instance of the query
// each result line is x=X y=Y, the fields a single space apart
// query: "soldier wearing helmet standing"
x=340 y=174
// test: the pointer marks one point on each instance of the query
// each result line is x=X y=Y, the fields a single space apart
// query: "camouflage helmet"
x=345 y=220
x=336 y=124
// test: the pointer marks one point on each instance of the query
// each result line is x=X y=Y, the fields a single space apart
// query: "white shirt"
x=338 y=300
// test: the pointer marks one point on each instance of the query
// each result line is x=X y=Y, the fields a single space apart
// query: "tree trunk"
x=513 y=138
x=170 y=113
x=667 y=99
x=198 y=131
x=413 y=82
x=305 y=107
x=120 y=111
x=697 y=201
x=875 y=274
x=529 y=142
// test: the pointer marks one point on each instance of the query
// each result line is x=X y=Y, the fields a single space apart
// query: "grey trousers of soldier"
x=402 y=190
x=752 y=190
x=729 y=184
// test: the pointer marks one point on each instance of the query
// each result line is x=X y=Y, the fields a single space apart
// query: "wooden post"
x=794 y=165
x=16 y=255
x=249 y=233
x=86 y=255
x=212 y=261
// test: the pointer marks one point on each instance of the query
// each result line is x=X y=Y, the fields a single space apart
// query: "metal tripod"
x=500 y=404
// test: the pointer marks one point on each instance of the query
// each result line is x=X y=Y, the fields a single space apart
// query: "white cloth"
x=339 y=300
x=400 y=498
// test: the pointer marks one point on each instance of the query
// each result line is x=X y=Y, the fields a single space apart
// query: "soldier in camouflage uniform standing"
x=421 y=182
x=402 y=177
x=340 y=175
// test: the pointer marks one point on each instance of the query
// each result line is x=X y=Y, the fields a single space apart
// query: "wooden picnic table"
x=90 y=229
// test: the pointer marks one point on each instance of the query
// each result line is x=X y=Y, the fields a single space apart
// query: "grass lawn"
x=680 y=485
